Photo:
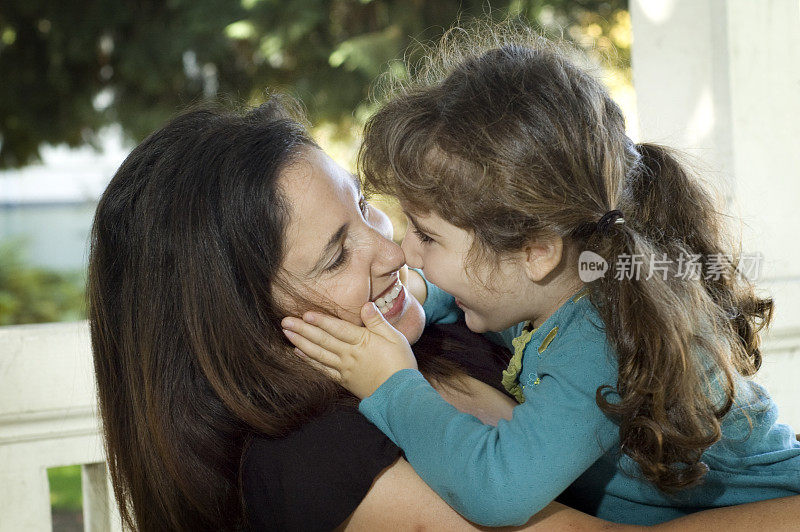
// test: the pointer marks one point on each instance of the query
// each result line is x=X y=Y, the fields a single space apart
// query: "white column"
x=720 y=79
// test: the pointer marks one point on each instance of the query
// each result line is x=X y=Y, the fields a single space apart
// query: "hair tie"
x=608 y=219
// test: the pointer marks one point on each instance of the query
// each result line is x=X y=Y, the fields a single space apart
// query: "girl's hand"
x=359 y=358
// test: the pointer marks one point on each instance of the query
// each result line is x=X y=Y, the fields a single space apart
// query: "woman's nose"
x=389 y=256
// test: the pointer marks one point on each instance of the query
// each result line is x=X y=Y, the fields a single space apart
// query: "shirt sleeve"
x=439 y=306
x=314 y=478
x=500 y=476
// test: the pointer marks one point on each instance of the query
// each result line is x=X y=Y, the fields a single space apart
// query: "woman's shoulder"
x=315 y=477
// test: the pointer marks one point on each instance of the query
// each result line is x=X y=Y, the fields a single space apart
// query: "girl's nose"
x=409 y=247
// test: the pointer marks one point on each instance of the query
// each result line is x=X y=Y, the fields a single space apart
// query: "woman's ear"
x=542 y=257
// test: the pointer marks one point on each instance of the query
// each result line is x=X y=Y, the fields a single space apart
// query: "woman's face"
x=340 y=252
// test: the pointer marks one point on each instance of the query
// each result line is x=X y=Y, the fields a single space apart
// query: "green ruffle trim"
x=510 y=379
x=511 y=374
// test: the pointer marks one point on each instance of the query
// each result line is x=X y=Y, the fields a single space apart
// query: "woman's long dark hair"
x=189 y=355
x=190 y=361
x=499 y=132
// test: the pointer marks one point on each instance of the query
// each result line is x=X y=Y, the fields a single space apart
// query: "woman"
x=214 y=228
x=196 y=254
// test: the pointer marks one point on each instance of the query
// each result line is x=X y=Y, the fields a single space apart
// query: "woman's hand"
x=360 y=358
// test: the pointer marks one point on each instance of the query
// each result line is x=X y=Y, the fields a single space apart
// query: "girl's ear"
x=542 y=257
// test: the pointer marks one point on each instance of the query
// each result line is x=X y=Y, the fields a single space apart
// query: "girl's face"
x=340 y=252
x=492 y=299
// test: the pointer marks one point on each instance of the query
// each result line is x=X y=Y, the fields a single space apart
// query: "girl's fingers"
x=375 y=322
x=315 y=334
x=340 y=329
x=312 y=350
x=332 y=373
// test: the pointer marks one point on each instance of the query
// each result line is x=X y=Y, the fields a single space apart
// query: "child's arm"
x=493 y=476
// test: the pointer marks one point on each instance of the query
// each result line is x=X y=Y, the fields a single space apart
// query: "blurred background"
x=83 y=82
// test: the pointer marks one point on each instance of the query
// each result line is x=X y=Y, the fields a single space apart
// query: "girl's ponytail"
x=681 y=333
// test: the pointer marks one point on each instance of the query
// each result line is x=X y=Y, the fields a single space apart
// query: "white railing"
x=48 y=418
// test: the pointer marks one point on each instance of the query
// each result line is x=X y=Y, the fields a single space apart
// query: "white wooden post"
x=721 y=80
x=99 y=512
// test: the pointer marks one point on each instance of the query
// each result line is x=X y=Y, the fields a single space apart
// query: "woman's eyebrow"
x=418 y=226
x=333 y=241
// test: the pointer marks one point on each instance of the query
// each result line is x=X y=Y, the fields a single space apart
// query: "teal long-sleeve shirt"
x=559 y=440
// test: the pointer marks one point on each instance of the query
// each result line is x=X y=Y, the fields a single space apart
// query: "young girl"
x=629 y=362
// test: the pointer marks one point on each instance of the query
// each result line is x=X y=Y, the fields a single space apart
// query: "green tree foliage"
x=68 y=68
x=35 y=295
x=65 y=488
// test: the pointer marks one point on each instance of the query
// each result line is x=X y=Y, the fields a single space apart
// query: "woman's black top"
x=314 y=478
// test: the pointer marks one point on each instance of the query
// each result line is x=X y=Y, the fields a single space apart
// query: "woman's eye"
x=423 y=238
x=363 y=205
x=340 y=260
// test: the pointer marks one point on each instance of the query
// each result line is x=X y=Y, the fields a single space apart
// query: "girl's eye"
x=423 y=238
x=340 y=260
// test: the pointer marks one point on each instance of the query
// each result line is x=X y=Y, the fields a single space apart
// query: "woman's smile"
x=392 y=303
